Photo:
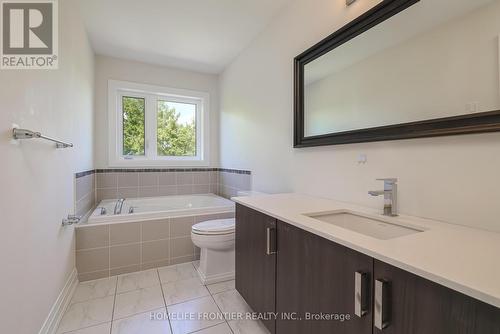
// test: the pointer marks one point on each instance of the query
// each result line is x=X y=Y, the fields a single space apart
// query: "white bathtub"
x=160 y=207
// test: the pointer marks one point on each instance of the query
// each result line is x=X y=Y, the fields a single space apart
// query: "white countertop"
x=461 y=258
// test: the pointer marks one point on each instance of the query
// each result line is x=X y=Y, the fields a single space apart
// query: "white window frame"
x=151 y=95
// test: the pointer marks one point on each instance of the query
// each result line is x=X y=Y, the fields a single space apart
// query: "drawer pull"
x=270 y=241
x=361 y=300
x=382 y=304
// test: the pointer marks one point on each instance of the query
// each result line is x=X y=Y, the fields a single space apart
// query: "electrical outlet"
x=472 y=107
x=362 y=158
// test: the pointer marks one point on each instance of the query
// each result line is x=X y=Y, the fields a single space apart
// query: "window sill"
x=158 y=163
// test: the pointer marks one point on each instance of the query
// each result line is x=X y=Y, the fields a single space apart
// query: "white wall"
x=454 y=179
x=434 y=74
x=117 y=69
x=36 y=180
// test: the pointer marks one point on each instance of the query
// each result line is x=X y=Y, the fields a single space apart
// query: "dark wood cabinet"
x=305 y=278
x=256 y=261
x=419 y=306
x=317 y=277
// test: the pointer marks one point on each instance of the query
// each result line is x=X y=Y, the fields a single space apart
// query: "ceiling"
x=199 y=35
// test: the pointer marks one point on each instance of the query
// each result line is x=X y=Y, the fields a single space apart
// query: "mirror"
x=432 y=69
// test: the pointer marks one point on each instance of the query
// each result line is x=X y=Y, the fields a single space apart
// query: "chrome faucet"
x=390 y=193
x=118 y=206
x=102 y=210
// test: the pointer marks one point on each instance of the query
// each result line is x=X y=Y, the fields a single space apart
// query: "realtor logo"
x=29 y=34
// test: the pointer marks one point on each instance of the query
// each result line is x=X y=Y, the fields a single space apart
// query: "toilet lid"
x=219 y=226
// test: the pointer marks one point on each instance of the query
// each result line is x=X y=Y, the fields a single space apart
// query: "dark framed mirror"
x=404 y=69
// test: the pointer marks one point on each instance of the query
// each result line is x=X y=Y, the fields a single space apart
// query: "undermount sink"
x=374 y=227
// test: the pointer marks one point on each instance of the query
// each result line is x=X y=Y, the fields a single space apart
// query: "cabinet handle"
x=360 y=294
x=382 y=304
x=270 y=232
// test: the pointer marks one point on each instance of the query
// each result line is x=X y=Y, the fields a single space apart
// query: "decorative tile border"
x=85 y=173
x=170 y=170
x=234 y=171
x=161 y=170
x=154 y=170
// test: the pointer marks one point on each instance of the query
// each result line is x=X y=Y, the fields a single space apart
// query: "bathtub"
x=156 y=234
x=150 y=208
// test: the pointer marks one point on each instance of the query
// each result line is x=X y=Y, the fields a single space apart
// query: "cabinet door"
x=317 y=276
x=414 y=305
x=256 y=261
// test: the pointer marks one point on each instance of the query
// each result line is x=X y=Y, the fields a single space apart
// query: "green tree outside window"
x=175 y=138
x=133 y=125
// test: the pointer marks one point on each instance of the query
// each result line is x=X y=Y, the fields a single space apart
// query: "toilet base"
x=216 y=266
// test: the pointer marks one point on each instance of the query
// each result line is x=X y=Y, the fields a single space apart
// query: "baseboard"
x=57 y=311
x=206 y=280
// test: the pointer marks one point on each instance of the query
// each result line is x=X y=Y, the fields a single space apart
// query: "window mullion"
x=154 y=126
x=151 y=127
x=199 y=130
x=119 y=125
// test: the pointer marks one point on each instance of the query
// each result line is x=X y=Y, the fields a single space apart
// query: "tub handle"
x=72 y=219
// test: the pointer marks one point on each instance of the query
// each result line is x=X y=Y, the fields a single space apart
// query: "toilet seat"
x=214 y=227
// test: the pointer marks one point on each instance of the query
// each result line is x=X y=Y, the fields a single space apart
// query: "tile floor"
x=124 y=305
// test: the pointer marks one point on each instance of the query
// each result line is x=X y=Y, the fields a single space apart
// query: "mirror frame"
x=456 y=125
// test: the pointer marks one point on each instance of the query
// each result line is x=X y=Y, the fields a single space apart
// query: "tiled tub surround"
x=85 y=190
x=116 y=183
x=95 y=185
x=151 y=183
x=231 y=181
x=112 y=249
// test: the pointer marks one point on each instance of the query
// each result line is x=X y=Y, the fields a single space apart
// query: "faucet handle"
x=72 y=219
x=389 y=180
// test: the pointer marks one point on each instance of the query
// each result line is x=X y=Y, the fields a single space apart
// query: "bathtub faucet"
x=118 y=206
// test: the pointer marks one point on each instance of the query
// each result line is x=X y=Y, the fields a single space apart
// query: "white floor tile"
x=231 y=301
x=221 y=287
x=248 y=327
x=184 y=290
x=177 y=272
x=86 y=314
x=94 y=289
x=200 y=312
x=142 y=324
x=99 y=329
x=219 y=329
x=138 y=280
x=138 y=301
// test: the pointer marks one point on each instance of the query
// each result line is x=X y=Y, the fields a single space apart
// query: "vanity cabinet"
x=256 y=261
x=414 y=305
x=284 y=269
x=316 y=279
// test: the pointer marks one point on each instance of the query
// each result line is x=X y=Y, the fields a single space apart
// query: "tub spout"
x=119 y=206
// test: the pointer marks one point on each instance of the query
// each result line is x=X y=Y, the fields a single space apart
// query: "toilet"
x=215 y=238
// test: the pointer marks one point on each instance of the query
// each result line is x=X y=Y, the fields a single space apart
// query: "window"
x=176 y=129
x=156 y=126
x=133 y=131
